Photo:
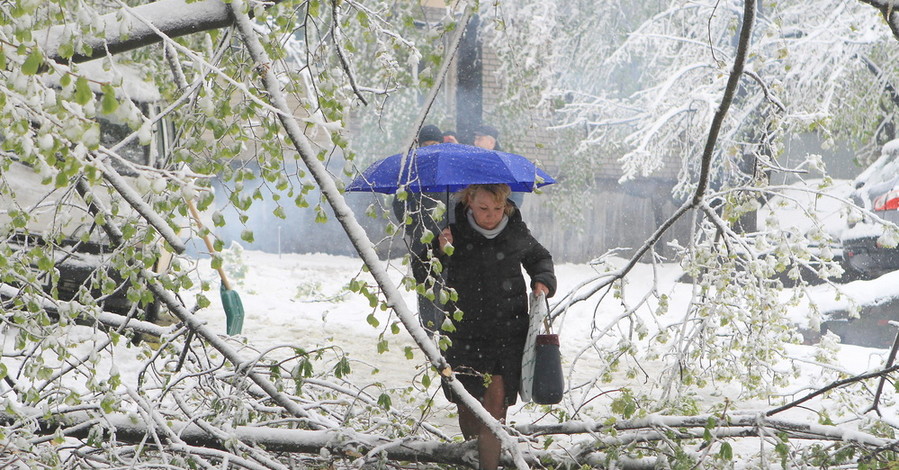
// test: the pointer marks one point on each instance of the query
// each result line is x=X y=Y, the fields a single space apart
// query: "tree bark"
x=172 y=17
x=355 y=445
x=127 y=430
x=890 y=12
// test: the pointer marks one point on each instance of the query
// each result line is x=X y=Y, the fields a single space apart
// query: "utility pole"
x=469 y=86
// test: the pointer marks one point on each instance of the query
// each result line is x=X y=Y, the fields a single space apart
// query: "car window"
x=112 y=131
x=885 y=169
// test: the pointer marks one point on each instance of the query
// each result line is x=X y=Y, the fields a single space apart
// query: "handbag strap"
x=547 y=322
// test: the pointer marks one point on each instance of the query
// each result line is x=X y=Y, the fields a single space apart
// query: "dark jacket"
x=418 y=206
x=486 y=274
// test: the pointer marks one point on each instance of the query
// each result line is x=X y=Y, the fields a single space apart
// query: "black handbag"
x=549 y=383
x=542 y=381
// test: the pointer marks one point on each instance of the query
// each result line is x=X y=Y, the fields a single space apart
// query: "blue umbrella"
x=450 y=167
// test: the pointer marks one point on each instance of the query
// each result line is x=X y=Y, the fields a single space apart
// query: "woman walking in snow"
x=491 y=243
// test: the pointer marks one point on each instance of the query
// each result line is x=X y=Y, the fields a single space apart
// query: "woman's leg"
x=468 y=423
x=489 y=446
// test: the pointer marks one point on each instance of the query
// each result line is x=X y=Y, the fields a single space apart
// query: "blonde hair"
x=500 y=192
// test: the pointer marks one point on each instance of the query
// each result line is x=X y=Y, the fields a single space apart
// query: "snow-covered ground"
x=300 y=299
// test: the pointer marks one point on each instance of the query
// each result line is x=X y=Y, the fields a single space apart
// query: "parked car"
x=869 y=245
x=873 y=327
x=60 y=221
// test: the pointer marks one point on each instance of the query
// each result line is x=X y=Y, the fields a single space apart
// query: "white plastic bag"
x=538 y=312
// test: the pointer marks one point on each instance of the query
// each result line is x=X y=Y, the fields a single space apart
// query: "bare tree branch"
x=837 y=384
x=706 y=159
x=343 y=62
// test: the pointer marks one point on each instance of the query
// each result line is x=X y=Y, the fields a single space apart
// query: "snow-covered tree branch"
x=114 y=115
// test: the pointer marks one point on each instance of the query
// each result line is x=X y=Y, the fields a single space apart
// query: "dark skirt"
x=475 y=361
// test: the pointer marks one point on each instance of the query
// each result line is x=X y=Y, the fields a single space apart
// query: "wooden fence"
x=615 y=217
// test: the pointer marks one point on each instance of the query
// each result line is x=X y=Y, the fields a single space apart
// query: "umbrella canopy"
x=450 y=167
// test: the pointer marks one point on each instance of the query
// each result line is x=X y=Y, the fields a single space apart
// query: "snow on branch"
x=888 y=9
x=129 y=194
x=198 y=438
x=175 y=17
x=731 y=425
x=85 y=316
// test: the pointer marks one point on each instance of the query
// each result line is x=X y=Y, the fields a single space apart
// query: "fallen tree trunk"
x=125 y=429
x=734 y=425
x=125 y=32
x=368 y=447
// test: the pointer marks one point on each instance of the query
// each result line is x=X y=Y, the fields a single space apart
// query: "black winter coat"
x=486 y=274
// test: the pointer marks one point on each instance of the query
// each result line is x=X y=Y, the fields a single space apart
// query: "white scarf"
x=488 y=233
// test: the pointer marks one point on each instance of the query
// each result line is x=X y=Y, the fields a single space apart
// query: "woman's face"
x=486 y=210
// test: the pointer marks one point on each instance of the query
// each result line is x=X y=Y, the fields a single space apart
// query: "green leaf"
x=114 y=381
x=33 y=62
x=372 y=320
x=66 y=50
x=320 y=216
x=726 y=452
x=342 y=369
x=384 y=401
x=45 y=263
x=107 y=404
x=83 y=93
x=109 y=103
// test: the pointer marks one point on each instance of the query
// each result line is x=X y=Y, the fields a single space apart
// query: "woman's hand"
x=540 y=288
x=446 y=237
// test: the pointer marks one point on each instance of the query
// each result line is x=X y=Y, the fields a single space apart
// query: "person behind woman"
x=491 y=244
x=418 y=207
x=487 y=137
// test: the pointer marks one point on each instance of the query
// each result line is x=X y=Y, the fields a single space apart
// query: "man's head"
x=485 y=137
x=429 y=135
